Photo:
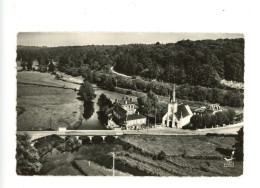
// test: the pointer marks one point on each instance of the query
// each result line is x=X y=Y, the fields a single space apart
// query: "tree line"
x=202 y=62
x=233 y=98
x=208 y=120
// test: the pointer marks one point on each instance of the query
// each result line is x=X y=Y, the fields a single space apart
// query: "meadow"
x=185 y=156
x=40 y=107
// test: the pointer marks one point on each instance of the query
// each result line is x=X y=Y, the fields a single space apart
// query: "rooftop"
x=119 y=110
x=135 y=116
x=182 y=111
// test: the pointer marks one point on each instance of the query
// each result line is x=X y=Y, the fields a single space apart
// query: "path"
x=120 y=74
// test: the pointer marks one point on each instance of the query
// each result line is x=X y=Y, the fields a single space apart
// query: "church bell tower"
x=172 y=108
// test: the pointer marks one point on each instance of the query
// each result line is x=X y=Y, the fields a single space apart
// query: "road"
x=112 y=70
x=231 y=129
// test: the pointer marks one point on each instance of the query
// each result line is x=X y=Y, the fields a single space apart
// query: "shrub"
x=162 y=155
x=97 y=139
x=57 y=76
x=110 y=139
x=129 y=92
x=127 y=146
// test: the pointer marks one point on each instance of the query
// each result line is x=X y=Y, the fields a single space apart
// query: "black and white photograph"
x=129 y=93
x=121 y=104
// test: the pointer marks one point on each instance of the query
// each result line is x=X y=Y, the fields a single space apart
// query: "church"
x=178 y=115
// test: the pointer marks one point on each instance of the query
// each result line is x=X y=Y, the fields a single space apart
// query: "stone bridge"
x=89 y=133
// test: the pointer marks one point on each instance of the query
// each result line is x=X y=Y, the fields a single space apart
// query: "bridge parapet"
x=90 y=133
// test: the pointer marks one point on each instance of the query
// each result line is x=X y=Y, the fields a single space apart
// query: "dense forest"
x=195 y=66
x=195 y=62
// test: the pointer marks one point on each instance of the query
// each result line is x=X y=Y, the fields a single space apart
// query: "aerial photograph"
x=130 y=104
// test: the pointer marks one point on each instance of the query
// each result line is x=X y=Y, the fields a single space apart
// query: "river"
x=91 y=121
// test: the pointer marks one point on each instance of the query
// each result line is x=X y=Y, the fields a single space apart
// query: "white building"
x=178 y=115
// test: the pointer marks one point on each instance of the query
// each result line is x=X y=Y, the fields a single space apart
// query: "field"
x=93 y=169
x=65 y=170
x=185 y=156
x=40 y=107
x=181 y=145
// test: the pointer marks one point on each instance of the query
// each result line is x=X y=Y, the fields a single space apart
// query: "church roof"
x=182 y=111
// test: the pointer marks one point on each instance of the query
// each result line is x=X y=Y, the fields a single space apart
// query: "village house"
x=126 y=115
x=211 y=109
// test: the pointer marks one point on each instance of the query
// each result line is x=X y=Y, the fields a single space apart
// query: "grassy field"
x=65 y=170
x=43 y=79
x=186 y=156
x=95 y=170
x=181 y=145
x=40 y=107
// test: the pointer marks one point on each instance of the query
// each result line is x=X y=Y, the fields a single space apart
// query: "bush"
x=57 y=76
x=97 y=139
x=110 y=139
x=162 y=155
x=127 y=146
x=129 y=92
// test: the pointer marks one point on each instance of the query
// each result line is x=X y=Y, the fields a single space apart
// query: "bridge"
x=89 y=133
x=228 y=130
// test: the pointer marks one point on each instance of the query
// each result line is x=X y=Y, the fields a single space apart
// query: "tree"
x=221 y=118
x=230 y=115
x=29 y=65
x=206 y=120
x=23 y=64
x=239 y=145
x=86 y=91
x=108 y=84
x=103 y=101
x=51 y=67
x=161 y=155
x=196 y=121
x=88 y=109
x=27 y=157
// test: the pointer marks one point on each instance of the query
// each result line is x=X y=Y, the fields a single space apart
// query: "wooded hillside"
x=194 y=62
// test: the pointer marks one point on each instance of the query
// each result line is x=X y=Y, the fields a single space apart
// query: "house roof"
x=182 y=111
x=135 y=116
x=119 y=110
x=123 y=102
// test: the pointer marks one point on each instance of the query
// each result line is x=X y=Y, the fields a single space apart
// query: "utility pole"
x=155 y=117
x=113 y=163
x=148 y=121
x=50 y=123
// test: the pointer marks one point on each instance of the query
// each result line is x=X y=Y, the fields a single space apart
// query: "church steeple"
x=173 y=95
